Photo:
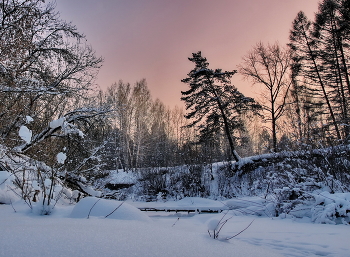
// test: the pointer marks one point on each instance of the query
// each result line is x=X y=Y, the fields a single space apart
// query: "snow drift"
x=97 y=207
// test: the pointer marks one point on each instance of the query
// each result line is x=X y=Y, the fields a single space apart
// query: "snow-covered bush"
x=152 y=181
x=189 y=181
x=173 y=182
x=47 y=103
x=290 y=180
x=38 y=184
x=331 y=208
x=321 y=207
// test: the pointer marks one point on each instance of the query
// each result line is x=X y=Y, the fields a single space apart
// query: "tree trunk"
x=227 y=129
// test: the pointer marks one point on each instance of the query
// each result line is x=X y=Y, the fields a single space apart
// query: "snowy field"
x=129 y=232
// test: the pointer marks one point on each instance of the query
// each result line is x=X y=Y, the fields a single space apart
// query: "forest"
x=60 y=136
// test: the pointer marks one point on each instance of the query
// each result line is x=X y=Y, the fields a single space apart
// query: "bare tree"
x=45 y=68
x=269 y=66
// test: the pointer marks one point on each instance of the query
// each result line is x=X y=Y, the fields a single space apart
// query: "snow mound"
x=97 y=207
x=213 y=224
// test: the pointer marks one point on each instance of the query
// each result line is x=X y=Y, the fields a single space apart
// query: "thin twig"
x=228 y=238
x=29 y=204
x=93 y=207
x=222 y=224
x=12 y=205
x=176 y=221
x=114 y=209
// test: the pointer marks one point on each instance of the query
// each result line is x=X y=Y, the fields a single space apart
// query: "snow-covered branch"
x=65 y=125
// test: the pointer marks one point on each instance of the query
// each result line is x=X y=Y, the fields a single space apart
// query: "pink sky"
x=152 y=38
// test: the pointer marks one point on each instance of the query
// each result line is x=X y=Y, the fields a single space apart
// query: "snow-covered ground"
x=128 y=232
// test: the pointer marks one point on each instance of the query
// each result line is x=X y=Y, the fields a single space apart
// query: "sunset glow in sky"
x=152 y=39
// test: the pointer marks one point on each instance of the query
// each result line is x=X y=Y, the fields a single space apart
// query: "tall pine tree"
x=307 y=64
x=213 y=103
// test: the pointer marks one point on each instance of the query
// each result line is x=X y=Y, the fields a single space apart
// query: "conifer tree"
x=213 y=103
x=331 y=32
x=321 y=54
x=306 y=60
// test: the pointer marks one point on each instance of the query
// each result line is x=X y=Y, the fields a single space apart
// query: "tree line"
x=304 y=85
x=47 y=75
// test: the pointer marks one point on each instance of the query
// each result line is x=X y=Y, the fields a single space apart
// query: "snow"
x=35 y=185
x=251 y=205
x=329 y=205
x=122 y=177
x=97 y=207
x=25 y=134
x=61 y=157
x=188 y=203
x=69 y=128
x=57 y=123
x=4 y=176
x=90 y=190
x=6 y=195
x=66 y=127
x=29 y=119
x=129 y=232
x=47 y=182
x=213 y=224
x=81 y=134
